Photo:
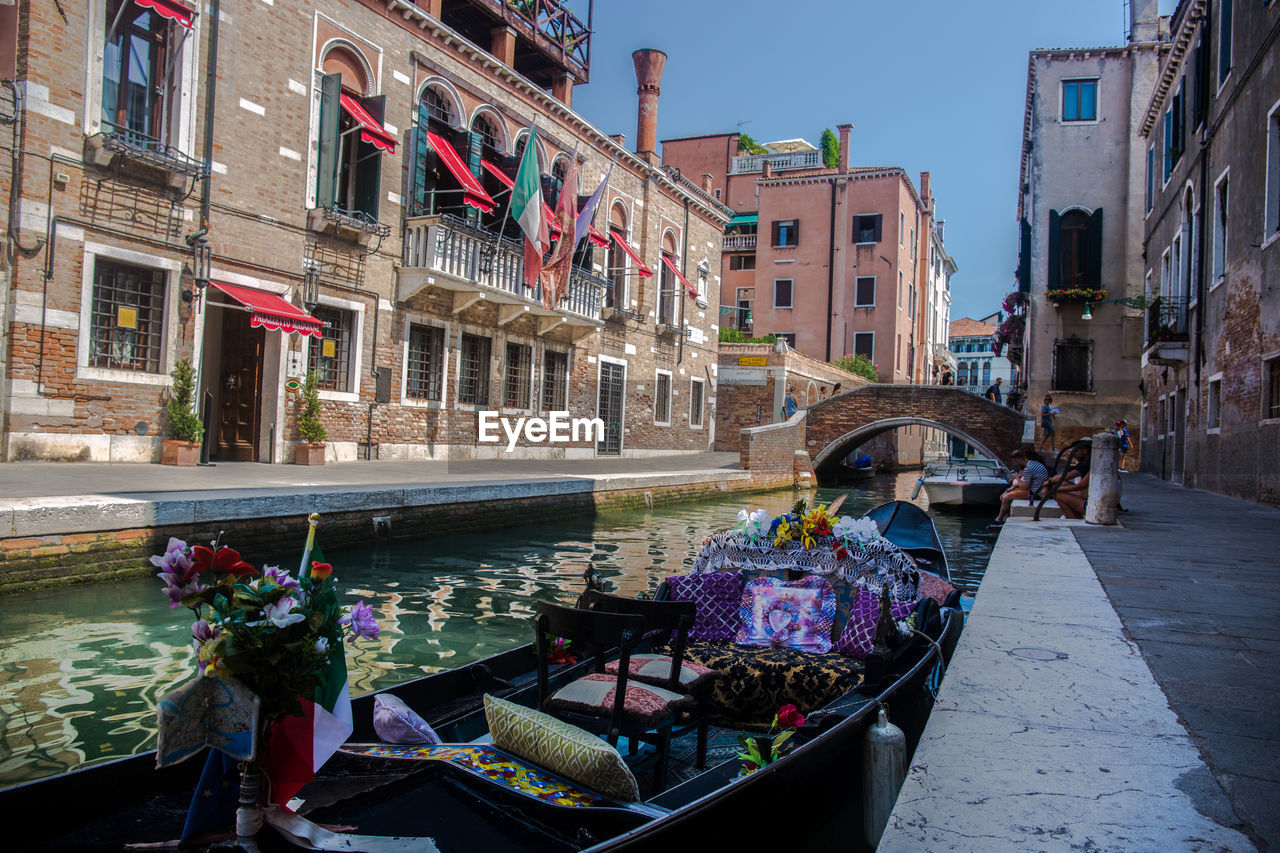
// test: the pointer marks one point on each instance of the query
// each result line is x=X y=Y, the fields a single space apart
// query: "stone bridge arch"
x=836 y=425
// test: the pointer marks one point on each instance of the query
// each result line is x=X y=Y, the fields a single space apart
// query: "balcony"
x=751 y=163
x=1168 y=333
x=353 y=225
x=142 y=157
x=551 y=40
x=739 y=243
x=447 y=253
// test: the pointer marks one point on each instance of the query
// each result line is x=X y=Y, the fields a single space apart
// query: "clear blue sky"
x=928 y=85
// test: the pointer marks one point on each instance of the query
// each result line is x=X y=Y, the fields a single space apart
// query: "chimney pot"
x=766 y=170
x=620 y=138
x=650 y=64
x=846 y=132
x=707 y=179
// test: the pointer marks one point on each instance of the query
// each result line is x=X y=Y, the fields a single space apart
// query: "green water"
x=81 y=668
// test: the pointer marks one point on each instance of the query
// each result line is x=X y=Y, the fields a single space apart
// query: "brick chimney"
x=649 y=66
x=766 y=170
x=925 y=198
x=620 y=138
x=707 y=179
x=846 y=131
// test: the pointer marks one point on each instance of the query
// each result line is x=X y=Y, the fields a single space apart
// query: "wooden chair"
x=593 y=634
x=668 y=620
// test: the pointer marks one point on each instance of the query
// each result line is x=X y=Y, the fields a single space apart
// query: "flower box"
x=308 y=454
x=1069 y=295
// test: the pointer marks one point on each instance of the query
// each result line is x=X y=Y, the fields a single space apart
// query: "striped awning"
x=271 y=312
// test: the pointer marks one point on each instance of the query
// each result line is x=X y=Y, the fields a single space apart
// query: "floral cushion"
x=794 y=614
x=716 y=595
x=932 y=586
x=859 y=632
x=395 y=722
x=656 y=669
x=593 y=695
x=561 y=748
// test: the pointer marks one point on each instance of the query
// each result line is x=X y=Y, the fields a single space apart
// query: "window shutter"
x=369 y=168
x=776 y=228
x=879 y=226
x=330 y=143
x=795 y=232
x=1024 y=258
x=1095 y=248
x=421 y=166
x=1055 y=260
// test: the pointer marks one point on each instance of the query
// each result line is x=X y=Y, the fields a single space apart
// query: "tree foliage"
x=859 y=365
x=184 y=423
x=310 y=429
x=747 y=145
x=830 y=146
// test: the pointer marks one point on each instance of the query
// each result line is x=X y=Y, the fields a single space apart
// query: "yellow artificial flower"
x=783 y=533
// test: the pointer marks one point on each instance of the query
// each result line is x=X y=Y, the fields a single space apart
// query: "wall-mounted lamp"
x=1139 y=302
x=310 y=284
x=201 y=258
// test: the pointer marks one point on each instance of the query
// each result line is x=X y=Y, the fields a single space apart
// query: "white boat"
x=969 y=482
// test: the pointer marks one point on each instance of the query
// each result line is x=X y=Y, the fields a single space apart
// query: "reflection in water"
x=81 y=668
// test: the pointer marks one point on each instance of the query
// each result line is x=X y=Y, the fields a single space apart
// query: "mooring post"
x=1104 y=480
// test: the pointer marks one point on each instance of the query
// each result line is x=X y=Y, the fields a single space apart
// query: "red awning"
x=644 y=271
x=692 y=291
x=510 y=182
x=472 y=193
x=171 y=9
x=596 y=237
x=271 y=312
x=371 y=130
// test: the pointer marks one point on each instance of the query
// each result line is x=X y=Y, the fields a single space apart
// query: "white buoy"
x=916 y=491
x=884 y=766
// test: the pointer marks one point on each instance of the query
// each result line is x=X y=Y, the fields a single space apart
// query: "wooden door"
x=241 y=380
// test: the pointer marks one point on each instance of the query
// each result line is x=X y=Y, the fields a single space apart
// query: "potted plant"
x=184 y=424
x=309 y=449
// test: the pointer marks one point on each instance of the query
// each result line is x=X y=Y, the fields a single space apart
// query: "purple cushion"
x=859 y=632
x=395 y=722
x=716 y=596
x=793 y=614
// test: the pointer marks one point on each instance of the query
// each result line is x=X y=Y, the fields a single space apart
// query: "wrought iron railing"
x=556 y=24
x=1167 y=319
x=356 y=219
x=145 y=149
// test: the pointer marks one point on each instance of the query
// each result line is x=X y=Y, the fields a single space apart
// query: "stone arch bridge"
x=836 y=425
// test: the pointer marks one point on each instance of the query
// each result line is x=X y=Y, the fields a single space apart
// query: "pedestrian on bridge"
x=993 y=393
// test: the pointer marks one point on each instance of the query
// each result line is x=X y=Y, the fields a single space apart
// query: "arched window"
x=352 y=137
x=668 y=286
x=616 y=297
x=349 y=67
x=485 y=129
x=986 y=374
x=1075 y=249
x=438 y=107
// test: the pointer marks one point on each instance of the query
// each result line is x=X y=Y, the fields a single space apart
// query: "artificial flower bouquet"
x=811 y=528
x=275 y=633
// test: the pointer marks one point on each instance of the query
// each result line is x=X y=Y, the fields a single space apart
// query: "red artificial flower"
x=789 y=717
x=320 y=571
x=223 y=561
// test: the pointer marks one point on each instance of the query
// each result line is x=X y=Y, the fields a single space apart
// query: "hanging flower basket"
x=1076 y=295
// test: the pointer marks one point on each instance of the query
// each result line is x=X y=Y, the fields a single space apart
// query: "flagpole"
x=305 y=569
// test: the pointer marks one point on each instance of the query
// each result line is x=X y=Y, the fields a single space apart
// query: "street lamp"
x=201 y=257
x=1139 y=302
x=310 y=284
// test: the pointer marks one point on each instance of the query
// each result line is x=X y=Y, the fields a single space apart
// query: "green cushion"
x=561 y=748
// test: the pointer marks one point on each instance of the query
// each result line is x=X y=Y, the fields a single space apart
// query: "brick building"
x=357 y=172
x=1081 y=159
x=1211 y=356
x=838 y=260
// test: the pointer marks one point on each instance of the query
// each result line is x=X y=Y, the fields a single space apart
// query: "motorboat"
x=973 y=481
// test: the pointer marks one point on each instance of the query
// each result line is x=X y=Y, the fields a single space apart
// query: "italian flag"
x=526 y=207
x=299 y=746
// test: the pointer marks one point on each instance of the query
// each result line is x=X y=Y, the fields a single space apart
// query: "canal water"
x=81 y=668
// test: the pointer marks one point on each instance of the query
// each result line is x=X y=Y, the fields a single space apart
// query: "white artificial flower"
x=282 y=613
x=322 y=645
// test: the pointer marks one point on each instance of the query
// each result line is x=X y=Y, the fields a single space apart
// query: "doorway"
x=612 y=384
x=240 y=388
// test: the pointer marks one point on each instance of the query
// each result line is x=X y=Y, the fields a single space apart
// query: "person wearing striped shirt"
x=1031 y=477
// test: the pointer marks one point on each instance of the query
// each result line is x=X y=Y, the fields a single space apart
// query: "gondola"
x=806 y=797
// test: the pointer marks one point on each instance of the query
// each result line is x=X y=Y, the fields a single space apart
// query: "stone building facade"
x=1211 y=354
x=1081 y=238
x=335 y=209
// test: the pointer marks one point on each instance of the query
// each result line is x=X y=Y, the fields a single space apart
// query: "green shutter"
x=1095 y=249
x=330 y=143
x=369 y=167
x=1024 y=258
x=1055 y=260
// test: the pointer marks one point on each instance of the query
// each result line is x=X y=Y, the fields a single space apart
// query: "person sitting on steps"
x=1029 y=482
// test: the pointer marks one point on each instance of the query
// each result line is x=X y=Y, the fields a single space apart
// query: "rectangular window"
x=1175 y=121
x=865 y=292
x=902 y=227
x=1213 y=418
x=1080 y=100
x=1151 y=178
x=786 y=232
x=782 y=296
x=555 y=381
x=897 y=355
x=127 y=318
x=1220 y=228
x=867 y=228
x=1224 y=42
x=517 y=376
x=662 y=399
x=138 y=73
x=789 y=337
x=696 y=395
x=742 y=262
x=899 y=289
x=1271 y=376
x=1072 y=365
x=330 y=356
x=473 y=370
x=864 y=343
x=425 y=370
x=1272 y=214
x=667 y=292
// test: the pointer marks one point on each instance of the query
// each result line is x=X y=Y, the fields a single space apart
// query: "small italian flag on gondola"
x=299 y=746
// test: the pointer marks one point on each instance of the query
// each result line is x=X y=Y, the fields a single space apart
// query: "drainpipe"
x=210 y=92
x=831 y=268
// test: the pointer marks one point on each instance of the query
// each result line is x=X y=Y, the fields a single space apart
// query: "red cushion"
x=594 y=694
x=656 y=669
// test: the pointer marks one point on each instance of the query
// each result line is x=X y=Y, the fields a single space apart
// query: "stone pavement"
x=1114 y=689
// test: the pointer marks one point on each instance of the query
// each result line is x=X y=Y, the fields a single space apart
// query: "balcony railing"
x=558 y=26
x=1167 y=319
x=739 y=243
x=474 y=259
x=750 y=163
